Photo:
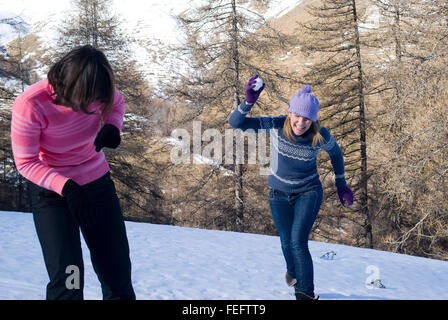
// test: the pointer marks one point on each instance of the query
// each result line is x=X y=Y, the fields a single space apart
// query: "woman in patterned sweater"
x=296 y=192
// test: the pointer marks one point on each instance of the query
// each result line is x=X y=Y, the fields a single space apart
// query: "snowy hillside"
x=184 y=263
x=149 y=21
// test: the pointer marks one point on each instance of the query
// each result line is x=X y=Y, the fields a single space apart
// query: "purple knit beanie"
x=304 y=104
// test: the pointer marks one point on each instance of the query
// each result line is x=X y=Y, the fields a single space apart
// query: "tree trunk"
x=238 y=182
x=95 y=24
x=362 y=128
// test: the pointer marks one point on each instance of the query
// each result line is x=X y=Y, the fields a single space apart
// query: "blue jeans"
x=294 y=216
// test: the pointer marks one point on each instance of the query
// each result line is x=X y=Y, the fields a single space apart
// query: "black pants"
x=59 y=237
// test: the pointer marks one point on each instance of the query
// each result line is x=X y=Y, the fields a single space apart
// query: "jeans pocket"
x=317 y=200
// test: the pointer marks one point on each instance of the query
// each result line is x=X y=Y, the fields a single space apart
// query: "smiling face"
x=299 y=124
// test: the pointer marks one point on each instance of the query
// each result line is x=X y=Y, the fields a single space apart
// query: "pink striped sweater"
x=52 y=143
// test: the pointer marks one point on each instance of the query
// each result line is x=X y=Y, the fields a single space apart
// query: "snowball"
x=258 y=84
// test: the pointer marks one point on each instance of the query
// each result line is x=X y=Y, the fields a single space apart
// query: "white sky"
x=153 y=15
x=144 y=19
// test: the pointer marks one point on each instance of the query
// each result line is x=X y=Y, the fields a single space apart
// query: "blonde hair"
x=315 y=131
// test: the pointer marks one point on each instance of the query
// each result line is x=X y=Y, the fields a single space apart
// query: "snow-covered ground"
x=176 y=263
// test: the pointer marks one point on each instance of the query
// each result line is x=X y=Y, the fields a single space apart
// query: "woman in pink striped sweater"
x=56 y=142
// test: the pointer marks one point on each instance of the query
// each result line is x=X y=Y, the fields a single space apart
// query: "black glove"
x=79 y=205
x=109 y=136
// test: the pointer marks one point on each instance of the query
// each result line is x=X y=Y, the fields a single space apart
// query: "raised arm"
x=238 y=119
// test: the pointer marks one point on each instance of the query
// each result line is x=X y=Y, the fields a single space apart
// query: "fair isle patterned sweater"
x=293 y=164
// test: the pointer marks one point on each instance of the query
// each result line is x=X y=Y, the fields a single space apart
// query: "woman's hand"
x=109 y=137
x=345 y=195
x=252 y=95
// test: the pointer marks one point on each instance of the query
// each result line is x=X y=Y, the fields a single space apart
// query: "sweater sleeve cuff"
x=115 y=122
x=244 y=108
x=58 y=184
x=340 y=180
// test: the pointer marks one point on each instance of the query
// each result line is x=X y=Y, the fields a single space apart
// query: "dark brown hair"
x=315 y=129
x=81 y=77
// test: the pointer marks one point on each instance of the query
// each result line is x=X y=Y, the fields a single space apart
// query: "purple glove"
x=252 y=95
x=345 y=194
